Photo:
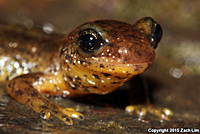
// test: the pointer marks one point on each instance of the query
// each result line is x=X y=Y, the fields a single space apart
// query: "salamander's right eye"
x=89 y=42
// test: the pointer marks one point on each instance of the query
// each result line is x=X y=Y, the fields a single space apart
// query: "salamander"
x=95 y=58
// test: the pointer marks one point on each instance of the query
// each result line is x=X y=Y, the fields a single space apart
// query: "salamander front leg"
x=141 y=110
x=22 y=90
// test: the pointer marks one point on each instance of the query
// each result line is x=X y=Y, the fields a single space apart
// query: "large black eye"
x=89 y=41
x=156 y=34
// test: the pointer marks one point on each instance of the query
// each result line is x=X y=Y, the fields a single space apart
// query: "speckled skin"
x=24 y=51
x=56 y=64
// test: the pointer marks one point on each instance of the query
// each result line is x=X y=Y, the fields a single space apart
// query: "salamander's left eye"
x=156 y=34
x=89 y=42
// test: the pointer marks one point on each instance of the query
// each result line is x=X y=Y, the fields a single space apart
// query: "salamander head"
x=100 y=56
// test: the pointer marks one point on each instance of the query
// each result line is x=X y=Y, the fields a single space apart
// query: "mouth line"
x=126 y=64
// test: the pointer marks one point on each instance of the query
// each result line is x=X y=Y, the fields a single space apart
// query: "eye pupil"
x=88 y=41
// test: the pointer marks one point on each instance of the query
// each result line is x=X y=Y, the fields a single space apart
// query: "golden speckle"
x=74 y=79
x=91 y=82
x=72 y=85
x=16 y=65
x=65 y=79
x=50 y=81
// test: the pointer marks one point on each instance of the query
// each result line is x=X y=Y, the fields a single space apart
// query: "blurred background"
x=175 y=72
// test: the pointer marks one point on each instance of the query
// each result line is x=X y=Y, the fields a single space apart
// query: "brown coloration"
x=126 y=52
x=97 y=57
